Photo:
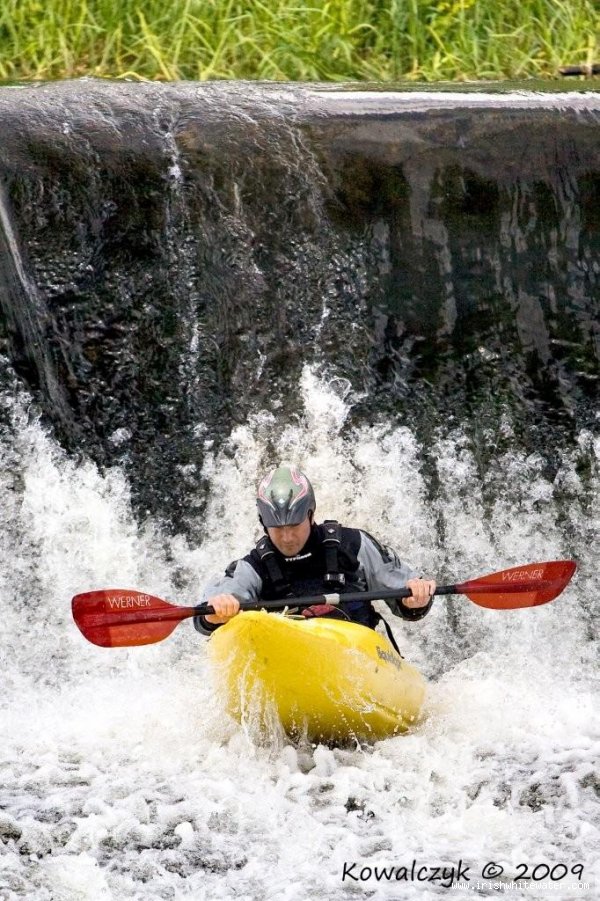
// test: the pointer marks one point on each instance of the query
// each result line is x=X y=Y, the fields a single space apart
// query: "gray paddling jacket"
x=361 y=564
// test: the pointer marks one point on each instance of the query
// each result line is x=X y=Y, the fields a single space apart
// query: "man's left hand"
x=422 y=592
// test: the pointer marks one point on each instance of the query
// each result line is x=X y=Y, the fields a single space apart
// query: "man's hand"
x=226 y=606
x=422 y=592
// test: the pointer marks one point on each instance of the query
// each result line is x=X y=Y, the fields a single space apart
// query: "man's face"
x=290 y=539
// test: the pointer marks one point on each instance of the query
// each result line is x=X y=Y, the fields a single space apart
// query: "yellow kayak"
x=328 y=679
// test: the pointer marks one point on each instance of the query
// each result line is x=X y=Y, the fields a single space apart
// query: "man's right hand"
x=225 y=606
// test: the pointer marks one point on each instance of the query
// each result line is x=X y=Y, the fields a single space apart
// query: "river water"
x=400 y=295
x=120 y=778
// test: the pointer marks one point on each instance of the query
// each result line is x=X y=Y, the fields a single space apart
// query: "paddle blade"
x=521 y=586
x=124 y=618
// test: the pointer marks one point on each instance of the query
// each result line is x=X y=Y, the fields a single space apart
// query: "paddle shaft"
x=334 y=598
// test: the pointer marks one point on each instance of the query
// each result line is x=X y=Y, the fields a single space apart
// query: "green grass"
x=322 y=40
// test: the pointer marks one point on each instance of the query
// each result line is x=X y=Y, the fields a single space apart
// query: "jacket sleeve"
x=384 y=569
x=240 y=579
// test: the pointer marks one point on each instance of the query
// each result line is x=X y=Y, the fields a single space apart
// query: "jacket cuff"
x=413 y=613
x=204 y=627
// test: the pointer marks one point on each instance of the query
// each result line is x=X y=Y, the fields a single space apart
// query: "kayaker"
x=297 y=557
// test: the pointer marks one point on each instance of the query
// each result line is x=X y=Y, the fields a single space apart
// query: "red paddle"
x=119 y=618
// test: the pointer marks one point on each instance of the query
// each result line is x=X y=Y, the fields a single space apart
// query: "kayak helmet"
x=285 y=498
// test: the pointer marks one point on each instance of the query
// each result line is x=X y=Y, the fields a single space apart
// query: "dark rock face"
x=171 y=255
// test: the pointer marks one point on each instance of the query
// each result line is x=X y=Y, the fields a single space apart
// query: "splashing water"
x=119 y=776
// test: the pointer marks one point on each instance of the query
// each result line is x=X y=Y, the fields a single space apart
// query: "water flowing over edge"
x=172 y=255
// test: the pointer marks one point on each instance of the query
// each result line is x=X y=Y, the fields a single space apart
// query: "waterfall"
x=398 y=291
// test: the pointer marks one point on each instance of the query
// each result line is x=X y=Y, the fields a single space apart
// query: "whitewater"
x=120 y=778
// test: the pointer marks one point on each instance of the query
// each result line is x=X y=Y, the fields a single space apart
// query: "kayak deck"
x=324 y=678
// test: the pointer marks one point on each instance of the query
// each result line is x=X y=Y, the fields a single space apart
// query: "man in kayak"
x=297 y=557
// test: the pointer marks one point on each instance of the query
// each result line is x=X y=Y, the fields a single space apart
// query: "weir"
x=173 y=255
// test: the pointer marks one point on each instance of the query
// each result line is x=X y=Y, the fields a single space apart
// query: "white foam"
x=120 y=777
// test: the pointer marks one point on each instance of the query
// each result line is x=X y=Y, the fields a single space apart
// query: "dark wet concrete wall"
x=172 y=255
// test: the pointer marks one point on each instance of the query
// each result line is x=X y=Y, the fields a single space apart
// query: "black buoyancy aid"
x=327 y=563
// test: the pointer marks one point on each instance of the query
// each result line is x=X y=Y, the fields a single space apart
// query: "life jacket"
x=328 y=563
